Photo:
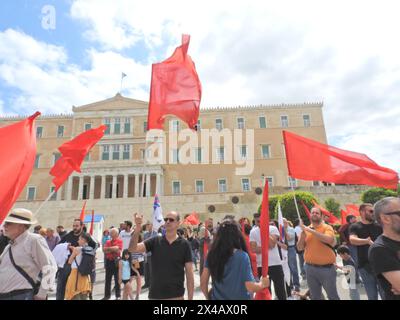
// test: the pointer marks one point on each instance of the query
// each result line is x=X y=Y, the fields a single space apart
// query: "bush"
x=375 y=194
x=288 y=207
x=333 y=206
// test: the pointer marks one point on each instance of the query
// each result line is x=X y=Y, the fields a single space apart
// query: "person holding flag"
x=290 y=237
x=318 y=241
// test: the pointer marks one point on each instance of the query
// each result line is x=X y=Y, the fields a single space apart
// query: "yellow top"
x=317 y=252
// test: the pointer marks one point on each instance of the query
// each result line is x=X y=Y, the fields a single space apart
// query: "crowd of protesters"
x=303 y=264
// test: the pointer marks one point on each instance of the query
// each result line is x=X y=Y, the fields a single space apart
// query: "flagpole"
x=44 y=202
x=295 y=201
x=143 y=176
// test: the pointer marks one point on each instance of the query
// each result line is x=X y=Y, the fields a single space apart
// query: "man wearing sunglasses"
x=363 y=234
x=171 y=258
x=384 y=254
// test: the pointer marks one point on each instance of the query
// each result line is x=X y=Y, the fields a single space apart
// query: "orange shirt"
x=316 y=252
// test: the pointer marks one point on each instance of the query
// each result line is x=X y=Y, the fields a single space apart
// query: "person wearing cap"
x=23 y=259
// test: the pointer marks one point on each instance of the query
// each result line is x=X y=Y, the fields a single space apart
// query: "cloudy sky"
x=344 y=53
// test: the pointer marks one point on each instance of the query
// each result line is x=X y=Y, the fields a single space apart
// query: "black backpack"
x=88 y=262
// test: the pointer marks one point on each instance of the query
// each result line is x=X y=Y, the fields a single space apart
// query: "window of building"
x=292 y=182
x=220 y=154
x=222 y=185
x=60 y=131
x=284 y=121
x=54 y=196
x=266 y=151
x=199 y=186
x=115 y=154
x=37 y=159
x=243 y=152
x=56 y=156
x=218 y=124
x=240 y=123
x=87 y=157
x=315 y=183
x=127 y=125
x=198 y=125
x=31 y=193
x=175 y=155
x=197 y=155
x=270 y=181
x=246 y=184
x=106 y=153
x=306 y=120
x=263 y=122
x=174 y=126
x=39 y=132
x=126 y=154
x=145 y=126
x=88 y=126
x=107 y=123
x=117 y=125
x=176 y=187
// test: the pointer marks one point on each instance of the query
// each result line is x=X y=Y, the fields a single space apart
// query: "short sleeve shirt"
x=292 y=235
x=167 y=266
x=364 y=231
x=317 y=252
x=274 y=258
x=113 y=243
x=384 y=256
x=237 y=272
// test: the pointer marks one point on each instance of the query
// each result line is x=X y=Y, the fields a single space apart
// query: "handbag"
x=35 y=285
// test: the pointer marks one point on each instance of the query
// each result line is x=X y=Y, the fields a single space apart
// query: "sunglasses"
x=394 y=213
x=370 y=211
x=169 y=220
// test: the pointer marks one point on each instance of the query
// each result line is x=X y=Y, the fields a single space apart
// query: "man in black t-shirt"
x=384 y=254
x=363 y=234
x=171 y=258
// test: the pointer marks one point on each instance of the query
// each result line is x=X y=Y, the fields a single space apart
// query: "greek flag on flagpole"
x=280 y=222
x=158 y=219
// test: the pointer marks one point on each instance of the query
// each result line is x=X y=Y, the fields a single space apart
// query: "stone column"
x=91 y=190
x=80 y=188
x=58 y=193
x=68 y=196
x=148 y=185
x=136 y=185
x=125 y=194
x=103 y=187
x=114 y=187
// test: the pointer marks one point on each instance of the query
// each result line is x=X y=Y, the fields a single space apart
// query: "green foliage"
x=375 y=194
x=288 y=206
x=333 y=206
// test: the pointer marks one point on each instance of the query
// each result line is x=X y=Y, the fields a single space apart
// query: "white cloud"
x=53 y=85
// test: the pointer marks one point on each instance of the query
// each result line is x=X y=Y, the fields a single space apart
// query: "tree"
x=333 y=206
x=375 y=194
x=288 y=207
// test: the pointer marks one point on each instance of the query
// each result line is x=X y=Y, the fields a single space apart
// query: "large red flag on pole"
x=264 y=232
x=17 y=159
x=73 y=153
x=311 y=160
x=82 y=216
x=306 y=210
x=175 y=89
x=192 y=219
x=352 y=209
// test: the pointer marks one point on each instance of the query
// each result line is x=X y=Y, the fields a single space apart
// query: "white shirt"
x=274 y=258
x=61 y=253
x=126 y=238
x=298 y=231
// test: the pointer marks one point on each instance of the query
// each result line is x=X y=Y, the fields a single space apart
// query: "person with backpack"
x=82 y=261
x=125 y=274
x=318 y=241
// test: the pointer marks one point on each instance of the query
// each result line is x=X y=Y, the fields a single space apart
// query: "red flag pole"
x=82 y=216
x=92 y=223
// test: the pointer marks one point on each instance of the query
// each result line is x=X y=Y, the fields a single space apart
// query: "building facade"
x=116 y=181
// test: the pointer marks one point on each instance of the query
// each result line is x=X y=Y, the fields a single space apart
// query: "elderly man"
x=51 y=238
x=112 y=250
x=318 y=241
x=171 y=259
x=384 y=254
x=23 y=259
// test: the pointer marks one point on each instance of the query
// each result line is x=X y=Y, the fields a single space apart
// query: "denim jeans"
x=370 y=283
x=292 y=261
x=321 y=277
x=354 y=294
x=301 y=262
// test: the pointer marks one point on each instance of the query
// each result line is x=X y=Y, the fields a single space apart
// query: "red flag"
x=264 y=232
x=343 y=215
x=91 y=224
x=73 y=153
x=332 y=218
x=352 y=209
x=311 y=160
x=192 y=219
x=175 y=89
x=306 y=210
x=82 y=216
x=17 y=159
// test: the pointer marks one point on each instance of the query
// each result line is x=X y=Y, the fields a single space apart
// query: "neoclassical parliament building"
x=111 y=177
